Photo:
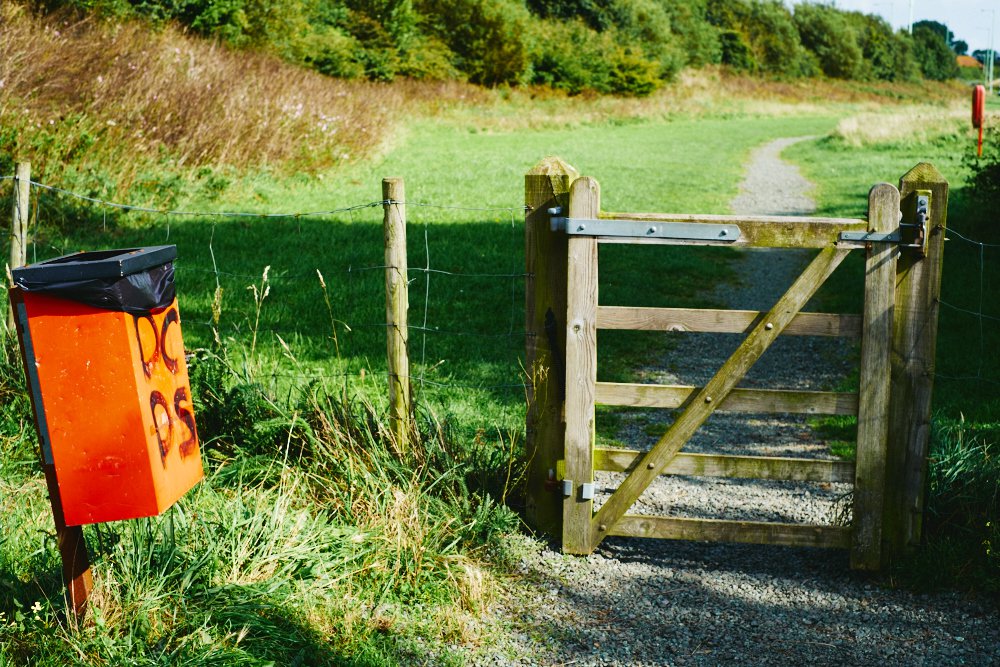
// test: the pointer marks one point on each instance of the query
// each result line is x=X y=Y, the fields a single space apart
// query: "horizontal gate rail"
x=739 y=400
x=772 y=468
x=707 y=320
x=718 y=530
x=762 y=231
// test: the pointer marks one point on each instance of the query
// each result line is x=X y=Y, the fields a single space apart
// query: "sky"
x=966 y=18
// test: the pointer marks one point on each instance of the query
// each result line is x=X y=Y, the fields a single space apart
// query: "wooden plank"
x=581 y=369
x=760 y=231
x=545 y=186
x=722 y=321
x=876 y=341
x=914 y=342
x=739 y=400
x=397 y=303
x=733 y=467
x=706 y=399
x=717 y=530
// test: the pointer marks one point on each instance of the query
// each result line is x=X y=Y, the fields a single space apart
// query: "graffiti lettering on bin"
x=156 y=346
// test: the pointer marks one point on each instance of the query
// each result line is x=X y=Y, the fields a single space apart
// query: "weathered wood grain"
x=738 y=400
x=722 y=321
x=914 y=342
x=873 y=404
x=716 y=530
x=581 y=368
x=757 y=231
x=397 y=303
x=546 y=185
x=735 y=467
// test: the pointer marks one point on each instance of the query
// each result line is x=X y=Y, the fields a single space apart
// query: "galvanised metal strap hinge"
x=917 y=239
x=638 y=229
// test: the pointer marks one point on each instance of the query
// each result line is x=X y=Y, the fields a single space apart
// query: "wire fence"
x=307 y=286
x=323 y=313
x=966 y=304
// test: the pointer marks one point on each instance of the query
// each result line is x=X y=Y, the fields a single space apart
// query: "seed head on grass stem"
x=258 y=298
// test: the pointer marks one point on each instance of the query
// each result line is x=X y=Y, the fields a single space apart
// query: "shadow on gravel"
x=685 y=603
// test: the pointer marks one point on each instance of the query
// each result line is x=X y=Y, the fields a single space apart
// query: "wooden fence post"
x=397 y=301
x=873 y=399
x=914 y=342
x=19 y=225
x=546 y=185
x=581 y=360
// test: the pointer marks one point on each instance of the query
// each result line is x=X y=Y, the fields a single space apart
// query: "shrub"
x=932 y=53
x=828 y=33
x=767 y=29
x=888 y=56
x=735 y=52
x=487 y=37
x=696 y=37
x=571 y=56
x=632 y=74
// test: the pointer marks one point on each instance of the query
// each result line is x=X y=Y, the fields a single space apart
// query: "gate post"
x=873 y=394
x=546 y=185
x=914 y=341
x=581 y=371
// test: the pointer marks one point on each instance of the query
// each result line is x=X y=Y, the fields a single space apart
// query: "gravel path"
x=658 y=602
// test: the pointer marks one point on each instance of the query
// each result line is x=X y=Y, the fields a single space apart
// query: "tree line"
x=608 y=46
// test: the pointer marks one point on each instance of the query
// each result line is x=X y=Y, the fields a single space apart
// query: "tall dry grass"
x=81 y=92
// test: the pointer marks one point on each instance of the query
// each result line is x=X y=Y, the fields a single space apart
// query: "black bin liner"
x=132 y=280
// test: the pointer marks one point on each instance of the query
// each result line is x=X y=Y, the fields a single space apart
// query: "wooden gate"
x=903 y=242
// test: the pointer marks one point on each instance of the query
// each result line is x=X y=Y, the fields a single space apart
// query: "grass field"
x=310 y=542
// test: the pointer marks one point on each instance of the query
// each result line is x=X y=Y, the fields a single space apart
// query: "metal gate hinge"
x=586 y=489
x=681 y=231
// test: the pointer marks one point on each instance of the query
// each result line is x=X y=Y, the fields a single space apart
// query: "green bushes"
x=932 y=53
x=573 y=57
x=829 y=34
x=610 y=46
x=487 y=38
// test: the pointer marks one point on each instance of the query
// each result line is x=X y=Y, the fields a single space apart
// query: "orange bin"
x=101 y=340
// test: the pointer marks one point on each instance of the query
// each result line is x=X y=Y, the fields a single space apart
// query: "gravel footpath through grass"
x=657 y=602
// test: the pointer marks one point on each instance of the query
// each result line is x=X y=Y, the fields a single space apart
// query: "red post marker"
x=978 y=113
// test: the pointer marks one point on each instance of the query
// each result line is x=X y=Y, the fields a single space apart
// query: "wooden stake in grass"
x=397 y=301
x=19 y=225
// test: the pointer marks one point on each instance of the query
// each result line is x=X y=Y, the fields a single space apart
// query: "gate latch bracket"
x=917 y=239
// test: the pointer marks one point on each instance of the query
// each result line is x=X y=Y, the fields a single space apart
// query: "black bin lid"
x=96 y=264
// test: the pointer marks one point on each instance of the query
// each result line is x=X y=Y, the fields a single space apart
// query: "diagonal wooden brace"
x=716 y=390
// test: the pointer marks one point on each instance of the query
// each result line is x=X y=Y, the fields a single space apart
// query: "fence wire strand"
x=426 y=327
x=233 y=328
